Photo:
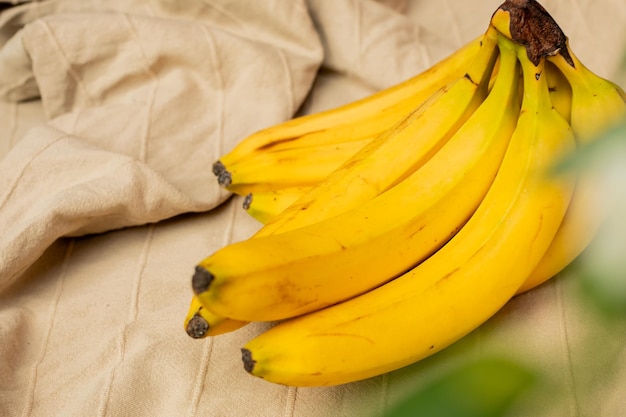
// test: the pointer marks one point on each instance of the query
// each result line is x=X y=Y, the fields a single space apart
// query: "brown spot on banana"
x=468 y=77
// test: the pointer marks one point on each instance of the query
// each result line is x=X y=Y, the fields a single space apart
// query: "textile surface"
x=111 y=114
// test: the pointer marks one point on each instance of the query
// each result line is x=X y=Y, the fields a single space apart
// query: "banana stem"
x=532 y=26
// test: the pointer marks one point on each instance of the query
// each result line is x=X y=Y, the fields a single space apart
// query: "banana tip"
x=225 y=179
x=201 y=280
x=218 y=168
x=197 y=327
x=248 y=361
x=247 y=201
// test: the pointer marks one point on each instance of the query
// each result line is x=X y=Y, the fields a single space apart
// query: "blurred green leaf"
x=596 y=153
x=607 y=291
x=485 y=388
x=603 y=265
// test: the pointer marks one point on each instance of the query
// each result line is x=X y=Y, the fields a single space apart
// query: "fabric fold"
x=143 y=105
x=111 y=115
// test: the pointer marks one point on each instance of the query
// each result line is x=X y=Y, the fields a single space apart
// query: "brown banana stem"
x=533 y=27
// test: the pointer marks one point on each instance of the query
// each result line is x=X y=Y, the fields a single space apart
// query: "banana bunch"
x=427 y=227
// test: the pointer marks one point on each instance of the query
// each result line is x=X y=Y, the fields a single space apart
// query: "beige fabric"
x=112 y=113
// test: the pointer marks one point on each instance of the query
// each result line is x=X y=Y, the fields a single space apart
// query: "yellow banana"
x=560 y=91
x=351 y=122
x=200 y=322
x=354 y=122
x=360 y=119
x=316 y=128
x=413 y=92
x=453 y=291
x=268 y=171
x=596 y=105
x=295 y=272
x=264 y=206
x=392 y=156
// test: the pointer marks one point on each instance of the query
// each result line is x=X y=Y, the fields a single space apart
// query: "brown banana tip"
x=533 y=27
x=218 y=168
x=248 y=362
x=197 y=327
x=201 y=280
x=224 y=178
x=247 y=200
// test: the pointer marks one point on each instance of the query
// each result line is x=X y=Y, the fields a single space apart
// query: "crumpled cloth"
x=111 y=115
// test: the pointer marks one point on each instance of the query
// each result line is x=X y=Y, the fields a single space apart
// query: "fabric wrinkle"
x=111 y=116
x=133 y=311
x=570 y=384
x=32 y=383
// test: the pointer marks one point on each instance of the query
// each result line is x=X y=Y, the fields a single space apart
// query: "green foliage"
x=600 y=154
x=603 y=265
x=485 y=388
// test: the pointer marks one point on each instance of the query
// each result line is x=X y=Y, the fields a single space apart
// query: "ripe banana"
x=268 y=171
x=560 y=91
x=364 y=118
x=410 y=93
x=465 y=91
x=394 y=155
x=312 y=267
x=413 y=91
x=263 y=206
x=597 y=105
x=355 y=122
x=200 y=322
x=453 y=291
